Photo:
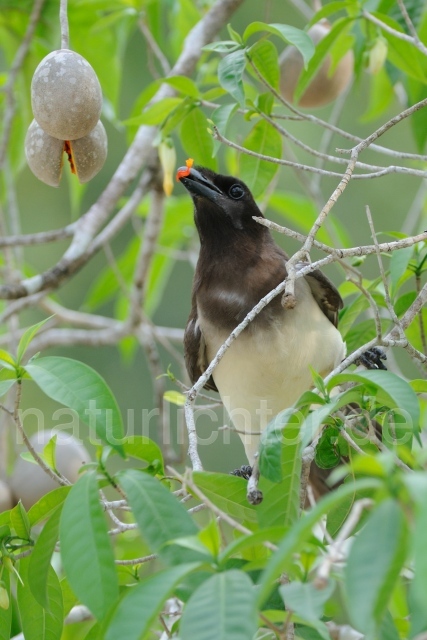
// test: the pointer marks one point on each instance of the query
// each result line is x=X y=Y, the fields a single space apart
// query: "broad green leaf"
x=36 y=622
x=196 y=139
x=221 y=117
x=322 y=50
x=289 y=34
x=361 y=333
x=395 y=393
x=230 y=74
x=45 y=507
x=134 y=615
x=228 y=493
x=40 y=558
x=20 y=521
x=7 y=359
x=417 y=485
x=351 y=313
x=331 y=8
x=272 y=442
x=49 y=452
x=255 y=172
x=26 y=338
x=419 y=386
x=6 y=614
x=155 y=113
x=86 y=550
x=264 y=56
x=417 y=92
x=225 y=46
x=79 y=387
x=300 y=531
x=374 y=563
x=175 y=397
x=401 y=53
x=272 y=534
x=145 y=449
x=308 y=603
x=159 y=515
x=380 y=95
x=183 y=84
x=398 y=264
x=222 y=608
x=5 y=385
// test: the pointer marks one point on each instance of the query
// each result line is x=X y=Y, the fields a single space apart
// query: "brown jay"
x=267 y=367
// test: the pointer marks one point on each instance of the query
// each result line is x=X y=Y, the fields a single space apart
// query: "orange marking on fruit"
x=67 y=149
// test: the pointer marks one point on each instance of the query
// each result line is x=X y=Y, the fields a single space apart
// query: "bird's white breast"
x=267 y=367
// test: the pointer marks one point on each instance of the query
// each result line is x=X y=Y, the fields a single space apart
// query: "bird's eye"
x=236 y=192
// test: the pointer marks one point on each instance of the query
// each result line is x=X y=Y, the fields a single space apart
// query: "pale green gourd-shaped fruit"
x=66 y=95
x=45 y=154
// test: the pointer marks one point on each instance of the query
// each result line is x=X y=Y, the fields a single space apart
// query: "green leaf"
x=221 y=117
x=155 y=113
x=301 y=531
x=403 y=54
x=5 y=385
x=175 y=397
x=222 y=608
x=196 y=139
x=49 y=452
x=264 y=56
x=308 y=603
x=45 y=507
x=230 y=74
x=7 y=359
x=228 y=493
x=20 y=522
x=331 y=8
x=380 y=95
x=159 y=515
x=36 y=622
x=289 y=34
x=398 y=264
x=235 y=548
x=322 y=50
x=255 y=172
x=134 y=615
x=395 y=393
x=79 y=387
x=26 y=338
x=6 y=614
x=374 y=563
x=145 y=449
x=281 y=504
x=40 y=558
x=86 y=551
x=184 y=85
x=272 y=443
x=225 y=46
x=417 y=484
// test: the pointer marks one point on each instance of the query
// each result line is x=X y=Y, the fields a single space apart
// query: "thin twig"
x=63 y=21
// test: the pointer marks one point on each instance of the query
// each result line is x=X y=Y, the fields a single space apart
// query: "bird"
x=268 y=366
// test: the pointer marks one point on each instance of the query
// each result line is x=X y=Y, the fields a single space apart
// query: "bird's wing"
x=326 y=295
x=195 y=356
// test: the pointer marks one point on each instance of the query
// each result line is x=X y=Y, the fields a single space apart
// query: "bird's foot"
x=372 y=359
x=245 y=472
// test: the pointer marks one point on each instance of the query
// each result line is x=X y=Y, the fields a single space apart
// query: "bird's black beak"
x=197 y=184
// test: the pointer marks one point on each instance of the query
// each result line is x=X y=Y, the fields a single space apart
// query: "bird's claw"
x=372 y=359
x=245 y=472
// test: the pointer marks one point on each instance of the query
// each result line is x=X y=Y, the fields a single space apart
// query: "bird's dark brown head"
x=222 y=203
